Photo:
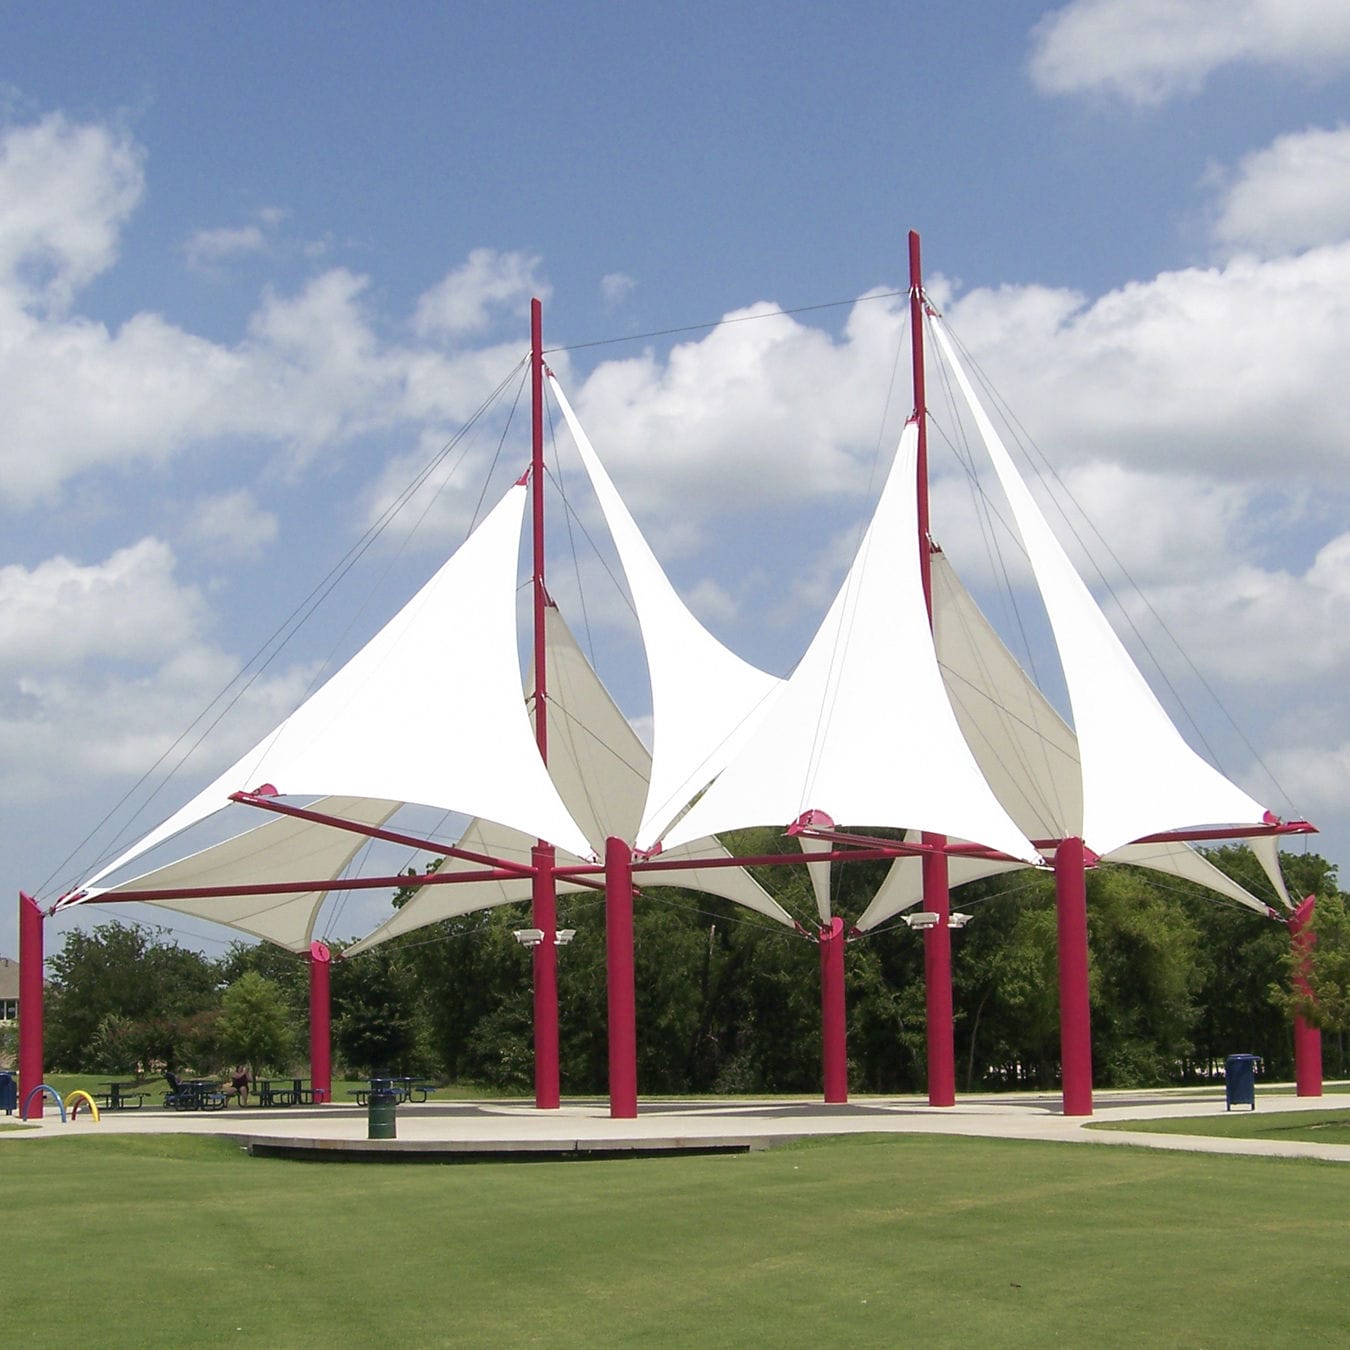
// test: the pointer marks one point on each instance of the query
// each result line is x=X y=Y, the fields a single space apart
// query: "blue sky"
x=256 y=265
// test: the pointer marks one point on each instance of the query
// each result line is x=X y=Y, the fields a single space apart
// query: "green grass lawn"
x=1331 y=1126
x=915 y=1241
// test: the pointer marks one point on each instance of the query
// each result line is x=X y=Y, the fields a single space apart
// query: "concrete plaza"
x=513 y=1128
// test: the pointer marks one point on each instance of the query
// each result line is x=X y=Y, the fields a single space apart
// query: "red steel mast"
x=543 y=891
x=937 y=941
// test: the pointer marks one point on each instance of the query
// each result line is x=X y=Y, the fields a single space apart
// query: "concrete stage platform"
x=513 y=1130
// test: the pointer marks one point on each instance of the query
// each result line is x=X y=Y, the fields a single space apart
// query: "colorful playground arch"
x=37 y=1091
x=73 y=1100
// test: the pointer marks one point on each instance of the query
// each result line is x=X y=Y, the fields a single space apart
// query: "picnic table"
x=121 y=1096
x=404 y=1089
x=197 y=1094
x=283 y=1091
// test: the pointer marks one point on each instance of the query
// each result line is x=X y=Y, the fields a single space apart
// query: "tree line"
x=728 y=1001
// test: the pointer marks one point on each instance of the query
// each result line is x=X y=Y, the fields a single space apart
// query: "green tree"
x=1146 y=979
x=167 y=993
x=256 y=1026
x=1005 y=983
x=374 y=1012
x=1328 y=980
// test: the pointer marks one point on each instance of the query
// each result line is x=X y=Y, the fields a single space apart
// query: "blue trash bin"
x=1239 y=1081
x=9 y=1093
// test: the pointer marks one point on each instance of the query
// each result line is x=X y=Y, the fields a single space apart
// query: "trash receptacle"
x=9 y=1093
x=1239 y=1081
x=380 y=1121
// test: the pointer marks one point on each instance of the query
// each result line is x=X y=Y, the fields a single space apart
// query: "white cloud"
x=65 y=192
x=756 y=412
x=1267 y=627
x=1316 y=774
x=1146 y=51
x=231 y=526
x=1225 y=371
x=208 y=247
x=129 y=608
x=79 y=396
x=442 y=504
x=1293 y=194
x=310 y=371
x=616 y=287
x=465 y=300
x=103 y=665
x=104 y=723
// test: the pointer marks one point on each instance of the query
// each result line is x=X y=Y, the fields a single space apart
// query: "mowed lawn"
x=1331 y=1126
x=171 y=1240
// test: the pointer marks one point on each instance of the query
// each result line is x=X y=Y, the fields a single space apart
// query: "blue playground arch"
x=52 y=1093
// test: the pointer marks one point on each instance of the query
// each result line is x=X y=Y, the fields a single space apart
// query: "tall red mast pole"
x=544 y=910
x=937 y=941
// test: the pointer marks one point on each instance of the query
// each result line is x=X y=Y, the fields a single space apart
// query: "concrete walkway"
x=506 y=1128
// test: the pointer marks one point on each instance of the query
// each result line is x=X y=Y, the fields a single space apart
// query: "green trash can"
x=380 y=1120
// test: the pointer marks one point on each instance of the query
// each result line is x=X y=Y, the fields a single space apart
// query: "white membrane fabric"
x=428 y=711
x=705 y=699
x=863 y=730
x=1139 y=775
x=600 y=768
x=282 y=849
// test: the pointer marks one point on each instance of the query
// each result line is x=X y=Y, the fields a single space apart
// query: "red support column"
x=937 y=970
x=833 y=1030
x=320 y=1022
x=620 y=980
x=1307 y=1038
x=543 y=891
x=937 y=941
x=547 y=1095
x=1075 y=1011
x=30 y=1000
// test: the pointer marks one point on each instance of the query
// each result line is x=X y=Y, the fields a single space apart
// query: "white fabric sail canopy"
x=1139 y=775
x=428 y=711
x=1027 y=752
x=903 y=887
x=282 y=849
x=705 y=699
x=600 y=768
x=863 y=730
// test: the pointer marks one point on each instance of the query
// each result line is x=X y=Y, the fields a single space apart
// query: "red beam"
x=296 y=887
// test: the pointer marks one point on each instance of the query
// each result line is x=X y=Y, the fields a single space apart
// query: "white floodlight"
x=529 y=937
x=564 y=935
x=958 y=920
x=925 y=918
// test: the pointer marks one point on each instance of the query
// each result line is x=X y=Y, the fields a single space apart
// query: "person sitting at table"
x=238 y=1085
